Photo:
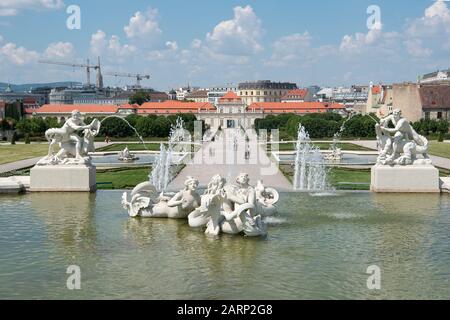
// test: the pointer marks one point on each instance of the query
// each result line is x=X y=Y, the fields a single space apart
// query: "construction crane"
x=88 y=67
x=138 y=77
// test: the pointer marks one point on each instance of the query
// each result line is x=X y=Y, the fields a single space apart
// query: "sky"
x=212 y=42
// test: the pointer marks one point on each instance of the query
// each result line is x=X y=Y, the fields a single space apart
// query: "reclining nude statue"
x=222 y=207
x=403 y=147
x=73 y=148
x=146 y=203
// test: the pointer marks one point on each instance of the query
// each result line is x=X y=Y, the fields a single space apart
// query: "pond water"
x=112 y=160
x=319 y=247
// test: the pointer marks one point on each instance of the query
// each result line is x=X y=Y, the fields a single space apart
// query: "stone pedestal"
x=62 y=178
x=413 y=178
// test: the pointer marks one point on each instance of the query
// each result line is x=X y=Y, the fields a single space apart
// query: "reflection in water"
x=318 y=247
x=68 y=219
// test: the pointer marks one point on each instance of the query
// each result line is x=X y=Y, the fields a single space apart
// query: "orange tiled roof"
x=376 y=89
x=230 y=96
x=175 y=104
x=83 y=108
x=295 y=94
x=296 y=107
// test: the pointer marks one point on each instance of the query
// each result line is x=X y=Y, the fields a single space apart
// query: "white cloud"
x=98 y=42
x=430 y=33
x=63 y=50
x=172 y=45
x=415 y=48
x=238 y=36
x=12 y=7
x=143 y=25
x=119 y=50
x=196 y=44
x=112 y=48
x=358 y=42
x=18 y=55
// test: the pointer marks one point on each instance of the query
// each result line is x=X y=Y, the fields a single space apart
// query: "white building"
x=217 y=92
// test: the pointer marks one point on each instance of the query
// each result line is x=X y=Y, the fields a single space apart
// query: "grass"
x=16 y=152
x=126 y=178
x=121 y=178
x=441 y=149
x=340 y=178
x=326 y=146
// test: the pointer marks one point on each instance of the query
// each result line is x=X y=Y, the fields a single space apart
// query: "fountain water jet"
x=134 y=129
x=310 y=172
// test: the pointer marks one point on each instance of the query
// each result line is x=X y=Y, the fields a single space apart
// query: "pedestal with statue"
x=403 y=164
x=70 y=167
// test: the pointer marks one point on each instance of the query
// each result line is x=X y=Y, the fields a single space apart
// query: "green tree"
x=140 y=97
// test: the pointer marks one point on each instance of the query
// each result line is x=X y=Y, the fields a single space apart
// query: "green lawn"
x=441 y=149
x=340 y=178
x=127 y=178
x=326 y=146
x=16 y=152
x=121 y=178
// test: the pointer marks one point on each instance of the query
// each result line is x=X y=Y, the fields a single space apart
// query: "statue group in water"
x=223 y=208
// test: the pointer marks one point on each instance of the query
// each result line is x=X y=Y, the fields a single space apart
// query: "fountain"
x=160 y=175
x=310 y=172
x=134 y=129
x=126 y=155
x=223 y=208
x=335 y=153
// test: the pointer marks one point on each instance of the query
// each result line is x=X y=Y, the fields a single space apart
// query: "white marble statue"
x=235 y=209
x=401 y=144
x=223 y=208
x=126 y=155
x=145 y=202
x=73 y=148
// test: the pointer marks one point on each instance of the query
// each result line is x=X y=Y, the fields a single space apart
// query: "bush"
x=27 y=139
x=440 y=137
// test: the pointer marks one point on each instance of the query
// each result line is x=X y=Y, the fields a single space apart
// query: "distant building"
x=416 y=101
x=172 y=95
x=63 y=111
x=437 y=76
x=435 y=100
x=27 y=98
x=217 y=92
x=297 y=107
x=198 y=96
x=296 y=95
x=264 y=91
x=165 y=108
x=184 y=91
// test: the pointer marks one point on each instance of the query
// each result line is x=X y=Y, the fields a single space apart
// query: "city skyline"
x=210 y=43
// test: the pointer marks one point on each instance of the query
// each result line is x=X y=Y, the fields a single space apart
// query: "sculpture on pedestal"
x=400 y=145
x=74 y=149
x=222 y=207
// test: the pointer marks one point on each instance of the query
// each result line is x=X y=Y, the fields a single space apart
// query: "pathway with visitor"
x=229 y=155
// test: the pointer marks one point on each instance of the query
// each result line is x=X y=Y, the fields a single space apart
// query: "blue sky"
x=210 y=42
